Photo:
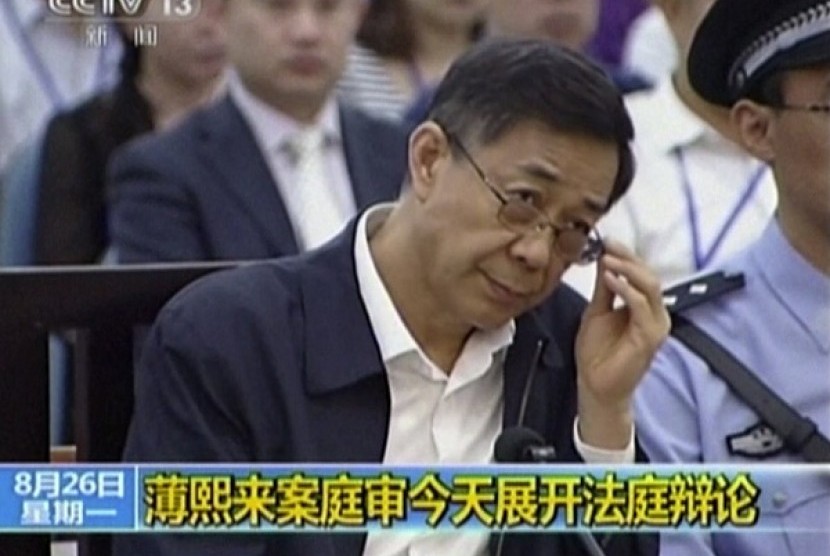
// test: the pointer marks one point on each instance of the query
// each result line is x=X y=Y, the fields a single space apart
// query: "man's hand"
x=614 y=347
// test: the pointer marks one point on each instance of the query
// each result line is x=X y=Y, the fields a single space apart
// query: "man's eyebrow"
x=549 y=174
x=540 y=171
x=595 y=206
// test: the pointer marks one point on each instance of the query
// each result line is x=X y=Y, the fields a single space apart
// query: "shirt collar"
x=798 y=285
x=392 y=335
x=273 y=128
x=685 y=126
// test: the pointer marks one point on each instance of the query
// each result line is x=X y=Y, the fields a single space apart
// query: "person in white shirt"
x=649 y=48
x=46 y=66
x=697 y=196
x=430 y=325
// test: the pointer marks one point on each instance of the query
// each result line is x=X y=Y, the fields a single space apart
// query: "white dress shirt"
x=45 y=67
x=274 y=132
x=657 y=219
x=650 y=49
x=436 y=417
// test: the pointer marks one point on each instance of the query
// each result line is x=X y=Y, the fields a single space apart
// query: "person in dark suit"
x=275 y=168
x=428 y=325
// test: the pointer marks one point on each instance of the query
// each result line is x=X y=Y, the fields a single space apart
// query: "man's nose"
x=534 y=249
x=307 y=24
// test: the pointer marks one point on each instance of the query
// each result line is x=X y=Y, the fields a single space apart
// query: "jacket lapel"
x=374 y=171
x=344 y=374
x=235 y=155
x=533 y=352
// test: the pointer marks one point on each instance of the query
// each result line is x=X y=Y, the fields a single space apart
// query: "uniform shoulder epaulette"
x=700 y=290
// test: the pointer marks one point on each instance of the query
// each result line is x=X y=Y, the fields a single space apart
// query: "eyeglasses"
x=814 y=108
x=575 y=242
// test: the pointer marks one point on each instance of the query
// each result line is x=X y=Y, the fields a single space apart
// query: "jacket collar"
x=341 y=349
x=274 y=129
x=375 y=154
x=232 y=151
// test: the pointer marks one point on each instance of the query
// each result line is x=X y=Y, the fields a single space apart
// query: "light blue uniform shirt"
x=779 y=326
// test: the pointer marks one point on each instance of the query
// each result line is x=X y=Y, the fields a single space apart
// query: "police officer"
x=769 y=61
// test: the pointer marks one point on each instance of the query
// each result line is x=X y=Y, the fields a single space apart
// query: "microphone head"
x=514 y=445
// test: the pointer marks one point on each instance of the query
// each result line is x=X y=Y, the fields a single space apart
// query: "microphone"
x=523 y=445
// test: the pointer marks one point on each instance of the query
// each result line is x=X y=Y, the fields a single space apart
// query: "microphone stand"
x=525 y=445
x=530 y=447
x=547 y=454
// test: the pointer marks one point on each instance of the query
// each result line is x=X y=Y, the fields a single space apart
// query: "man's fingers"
x=639 y=277
x=636 y=301
x=603 y=299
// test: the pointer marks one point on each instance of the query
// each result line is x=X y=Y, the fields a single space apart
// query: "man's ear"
x=429 y=149
x=755 y=124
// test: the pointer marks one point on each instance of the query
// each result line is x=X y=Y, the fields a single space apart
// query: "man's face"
x=291 y=51
x=801 y=145
x=570 y=23
x=480 y=272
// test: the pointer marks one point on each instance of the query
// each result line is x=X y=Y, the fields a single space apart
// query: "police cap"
x=740 y=42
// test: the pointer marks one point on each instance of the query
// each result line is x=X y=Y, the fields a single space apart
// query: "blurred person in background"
x=46 y=65
x=697 y=197
x=276 y=167
x=568 y=23
x=649 y=47
x=404 y=47
x=615 y=19
x=159 y=86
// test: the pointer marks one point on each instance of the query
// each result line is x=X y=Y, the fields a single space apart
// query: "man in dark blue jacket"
x=430 y=325
x=273 y=169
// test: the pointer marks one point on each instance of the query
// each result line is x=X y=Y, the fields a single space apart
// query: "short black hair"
x=498 y=84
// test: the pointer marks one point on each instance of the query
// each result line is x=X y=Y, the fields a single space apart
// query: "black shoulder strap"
x=800 y=434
